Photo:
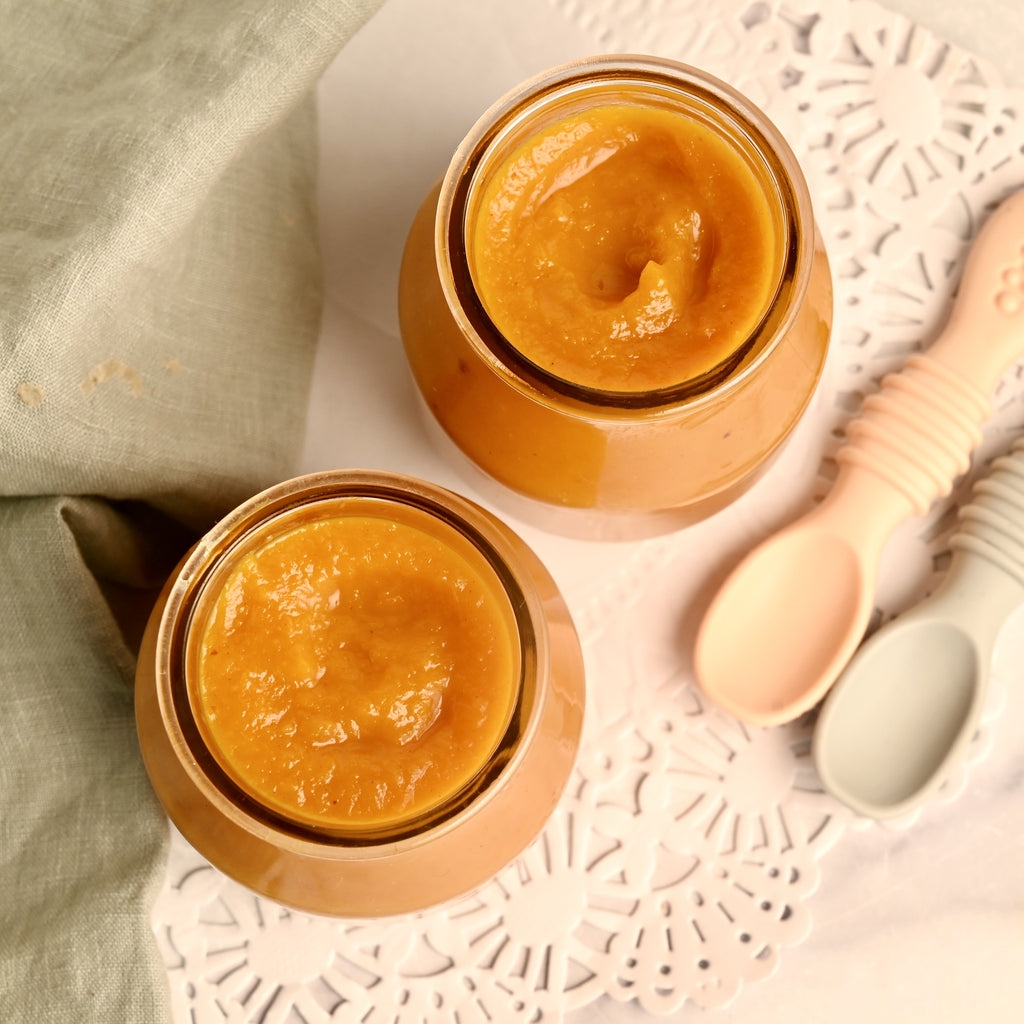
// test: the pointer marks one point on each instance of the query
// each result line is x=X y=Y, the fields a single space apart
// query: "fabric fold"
x=81 y=836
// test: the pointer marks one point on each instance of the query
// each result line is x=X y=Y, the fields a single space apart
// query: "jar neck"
x=257 y=523
x=665 y=85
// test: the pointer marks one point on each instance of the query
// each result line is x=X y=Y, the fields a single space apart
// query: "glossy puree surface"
x=625 y=248
x=355 y=670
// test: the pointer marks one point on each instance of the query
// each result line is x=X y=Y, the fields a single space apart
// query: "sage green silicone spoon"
x=787 y=620
x=905 y=709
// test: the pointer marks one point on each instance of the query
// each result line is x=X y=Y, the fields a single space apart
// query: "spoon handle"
x=985 y=581
x=918 y=431
x=978 y=595
x=991 y=525
x=990 y=302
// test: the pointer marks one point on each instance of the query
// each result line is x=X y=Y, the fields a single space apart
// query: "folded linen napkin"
x=159 y=305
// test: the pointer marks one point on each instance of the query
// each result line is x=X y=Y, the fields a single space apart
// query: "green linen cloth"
x=159 y=306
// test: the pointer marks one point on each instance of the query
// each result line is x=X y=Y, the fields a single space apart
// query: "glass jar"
x=398 y=862
x=690 y=448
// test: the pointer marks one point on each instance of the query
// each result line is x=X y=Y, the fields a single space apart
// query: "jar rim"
x=537 y=94
x=253 y=518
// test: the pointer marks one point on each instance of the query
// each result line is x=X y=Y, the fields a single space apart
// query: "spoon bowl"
x=792 y=648
x=905 y=710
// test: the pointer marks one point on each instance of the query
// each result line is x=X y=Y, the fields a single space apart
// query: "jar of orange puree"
x=617 y=299
x=360 y=695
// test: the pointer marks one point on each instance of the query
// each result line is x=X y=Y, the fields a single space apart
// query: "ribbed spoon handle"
x=918 y=431
x=992 y=523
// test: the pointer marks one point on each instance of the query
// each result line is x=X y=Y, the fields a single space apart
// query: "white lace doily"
x=678 y=866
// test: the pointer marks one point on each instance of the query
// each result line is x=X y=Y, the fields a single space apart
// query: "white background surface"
x=919 y=925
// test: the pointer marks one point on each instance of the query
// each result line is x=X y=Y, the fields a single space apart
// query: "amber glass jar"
x=409 y=858
x=689 y=448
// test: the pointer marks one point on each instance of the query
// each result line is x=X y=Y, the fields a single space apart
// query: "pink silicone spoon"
x=791 y=614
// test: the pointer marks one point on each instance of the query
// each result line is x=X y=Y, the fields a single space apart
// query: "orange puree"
x=625 y=248
x=359 y=668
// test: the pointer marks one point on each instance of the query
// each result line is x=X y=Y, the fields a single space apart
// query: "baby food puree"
x=625 y=248
x=357 y=669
